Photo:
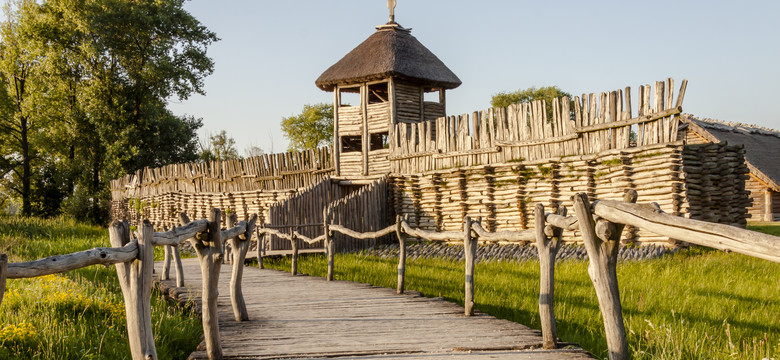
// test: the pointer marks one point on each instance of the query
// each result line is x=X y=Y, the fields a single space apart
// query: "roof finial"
x=391 y=6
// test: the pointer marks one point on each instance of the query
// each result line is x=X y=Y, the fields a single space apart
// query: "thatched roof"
x=762 y=145
x=390 y=51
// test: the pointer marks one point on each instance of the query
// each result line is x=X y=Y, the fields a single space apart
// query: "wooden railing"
x=604 y=222
x=134 y=259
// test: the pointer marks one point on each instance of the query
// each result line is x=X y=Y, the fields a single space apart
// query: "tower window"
x=377 y=93
x=349 y=96
x=379 y=141
x=432 y=96
x=351 y=143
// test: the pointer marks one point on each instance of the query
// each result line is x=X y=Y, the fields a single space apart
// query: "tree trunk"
x=26 y=168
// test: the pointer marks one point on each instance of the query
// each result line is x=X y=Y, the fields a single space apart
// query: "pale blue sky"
x=272 y=51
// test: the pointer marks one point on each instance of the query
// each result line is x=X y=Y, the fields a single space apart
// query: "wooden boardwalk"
x=303 y=317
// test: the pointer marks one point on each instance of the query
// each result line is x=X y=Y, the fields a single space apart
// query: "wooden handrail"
x=77 y=260
x=718 y=236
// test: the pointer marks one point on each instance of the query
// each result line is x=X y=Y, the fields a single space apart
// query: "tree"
x=17 y=121
x=219 y=147
x=546 y=93
x=109 y=68
x=253 y=150
x=310 y=129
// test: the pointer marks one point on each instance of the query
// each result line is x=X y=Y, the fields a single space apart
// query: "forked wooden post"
x=401 y=254
x=135 y=280
x=470 y=250
x=239 y=246
x=601 y=242
x=209 y=251
x=294 y=261
x=548 y=241
x=3 y=274
x=328 y=242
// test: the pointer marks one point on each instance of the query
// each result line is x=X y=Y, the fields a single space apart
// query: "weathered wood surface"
x=308 y=317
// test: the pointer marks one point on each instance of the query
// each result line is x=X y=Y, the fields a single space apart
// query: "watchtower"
x=387 y=77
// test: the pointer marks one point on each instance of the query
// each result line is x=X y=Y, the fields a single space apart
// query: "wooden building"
x=390 y=78
x=762 y=155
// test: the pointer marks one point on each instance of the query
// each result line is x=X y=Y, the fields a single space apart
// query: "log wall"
x=408 y=99
x=303 y=213
x=503 y=195
x=365 y=210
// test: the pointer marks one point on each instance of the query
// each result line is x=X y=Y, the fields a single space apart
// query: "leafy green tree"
x=546 y=93
x=109 y=68
x=18 y=66
x=310 y=129
x=219 y=147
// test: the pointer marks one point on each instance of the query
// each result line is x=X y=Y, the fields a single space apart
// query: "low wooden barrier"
x=604 y=223
x=134 y=259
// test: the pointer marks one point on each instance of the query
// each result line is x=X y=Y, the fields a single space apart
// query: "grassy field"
x=696 y=304
x=80 y=314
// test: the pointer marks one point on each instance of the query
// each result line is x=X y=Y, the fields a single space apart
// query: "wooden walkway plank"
x=307 y=317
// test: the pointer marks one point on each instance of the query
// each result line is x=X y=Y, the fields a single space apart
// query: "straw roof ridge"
x=762 y=145
x=733 y=126
x=390 y=51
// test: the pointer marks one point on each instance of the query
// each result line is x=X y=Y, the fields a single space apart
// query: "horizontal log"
x=362 y=235
x=563 y=222
x=431 y=235
x=549 y=140
x=62 y=263
x=180 y=234
x=307 y=239
x=277 y=233
x=507 y=236
x=637 y=120
x=697 y=232
x=489 y=150
x=235 y=231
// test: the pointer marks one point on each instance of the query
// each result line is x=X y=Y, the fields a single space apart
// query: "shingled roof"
x=390 y=51
x=762 y=145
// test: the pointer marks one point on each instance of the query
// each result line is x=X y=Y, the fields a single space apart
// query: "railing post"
x=166 y=270
x=328 y=242
x=548 y=240
x=401 y=255
x=135 y=280
x=3 y=274
x=178 y=266
x=239 y=247
x=294 y=262
x=209 y=251
x=470 y=250
x=260 y=249
x=601 y=242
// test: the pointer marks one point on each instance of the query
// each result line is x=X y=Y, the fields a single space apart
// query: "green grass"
x=694 y=305
x=80 y=314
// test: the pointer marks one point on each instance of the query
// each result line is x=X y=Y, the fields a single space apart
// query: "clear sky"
x=271 y=52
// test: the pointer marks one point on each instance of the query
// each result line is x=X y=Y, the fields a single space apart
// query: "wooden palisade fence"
x=134 y=259
x=604 y=221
